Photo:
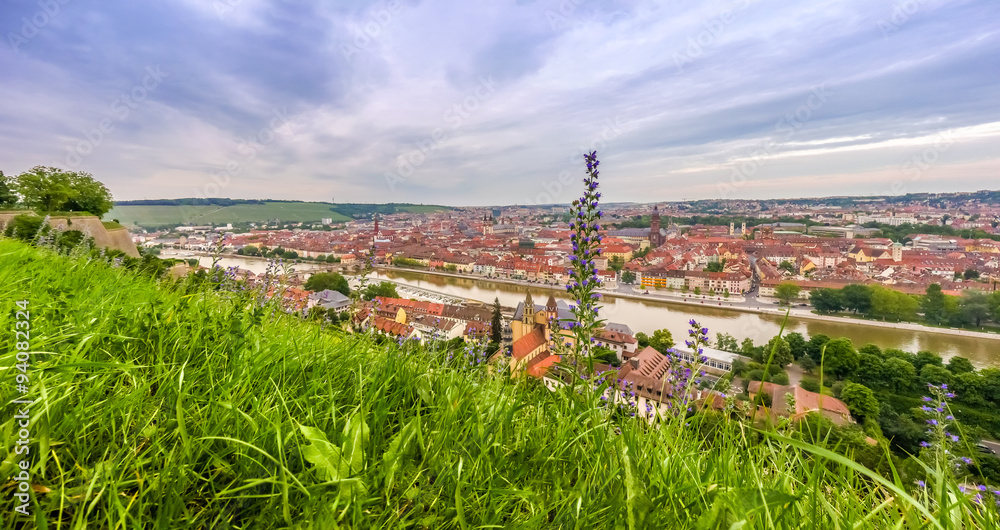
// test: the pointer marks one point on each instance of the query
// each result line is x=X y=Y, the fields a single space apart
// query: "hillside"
x=168 y=406
x=174 y=212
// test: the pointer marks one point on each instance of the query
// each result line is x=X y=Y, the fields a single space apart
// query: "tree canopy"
x=786 y=292
x=328 y=280
x=50 y=189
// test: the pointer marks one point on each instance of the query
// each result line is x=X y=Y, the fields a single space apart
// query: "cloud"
x=675 y=97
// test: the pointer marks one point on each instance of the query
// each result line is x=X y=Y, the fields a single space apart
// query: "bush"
x=837 y=388
x=810 y=385
x=780 y=378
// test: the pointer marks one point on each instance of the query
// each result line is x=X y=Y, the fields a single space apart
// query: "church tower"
x=528 y=319
x=551 y=308
x=654 y=228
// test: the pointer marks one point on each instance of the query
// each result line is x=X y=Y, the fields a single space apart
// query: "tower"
x=743 y=231
x=551 y=308
x=654 y=228
x=528 y=319
x=732 y=229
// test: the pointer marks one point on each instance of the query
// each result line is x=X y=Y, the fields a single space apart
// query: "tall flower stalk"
x=583 y=283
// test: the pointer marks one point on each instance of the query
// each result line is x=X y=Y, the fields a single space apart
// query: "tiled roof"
x=528 y=343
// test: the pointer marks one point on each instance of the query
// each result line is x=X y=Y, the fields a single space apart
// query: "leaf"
x=399 y=448
x=322 y=454
x=355 y=438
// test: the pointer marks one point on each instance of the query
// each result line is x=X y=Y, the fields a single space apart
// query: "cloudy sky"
x=494 y=102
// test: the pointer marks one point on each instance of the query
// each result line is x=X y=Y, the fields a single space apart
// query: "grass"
x=160 y=215
x=111 y=225
x=160 y=407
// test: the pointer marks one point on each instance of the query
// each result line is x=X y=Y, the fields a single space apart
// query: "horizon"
x=447 y=103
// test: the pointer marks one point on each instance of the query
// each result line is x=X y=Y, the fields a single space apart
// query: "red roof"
x=528 y=343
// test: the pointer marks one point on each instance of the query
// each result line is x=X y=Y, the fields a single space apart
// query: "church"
x=532 y=328
x=654 y=236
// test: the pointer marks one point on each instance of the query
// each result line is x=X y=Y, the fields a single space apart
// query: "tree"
x=860 y=401
x=840 y=358
x=7 y=195
x=892 y=305
x=726 y=342
x=25 y=227
x=898 y=374
x=960 y=365
x=322 y=281
x=787 y=266
x=971 y=274
x=933 y=374
x=715 y=266
x=815 y=345
x=782 y=352
x=642 y=340
x=496 y=323
x=827 y=300
x=383 y=289
x=808 y=365
x=661 y=340
x=52 y=189
x=747 y=348
x=857 y=298
x=786 y=292
x=933 y=305
x=797 y=343
x=871 y=370
x=616 y=263
x=975 y=307
x=924 y=358
x=697 y=291
x=628 y=277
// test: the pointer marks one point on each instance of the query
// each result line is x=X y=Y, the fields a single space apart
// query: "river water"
x=648 y=316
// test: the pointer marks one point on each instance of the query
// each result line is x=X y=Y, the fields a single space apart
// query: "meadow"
x=170 y=405
x=291 y=211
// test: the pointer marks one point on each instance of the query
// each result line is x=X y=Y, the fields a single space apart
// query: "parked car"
x=984 y=449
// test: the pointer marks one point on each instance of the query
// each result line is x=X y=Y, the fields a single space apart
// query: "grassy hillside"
x=175 y=408
x=148 y=215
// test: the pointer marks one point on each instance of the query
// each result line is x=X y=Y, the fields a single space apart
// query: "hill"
x=176 y=212
x=166 y=405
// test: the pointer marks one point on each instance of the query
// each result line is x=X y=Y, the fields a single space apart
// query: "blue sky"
x=478 y=103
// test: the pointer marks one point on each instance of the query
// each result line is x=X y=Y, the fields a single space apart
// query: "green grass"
x=306 y=212
x=111 y=225
x=158 y=408
x=237 y=213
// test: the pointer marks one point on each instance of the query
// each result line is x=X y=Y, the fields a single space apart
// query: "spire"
x=529 y=312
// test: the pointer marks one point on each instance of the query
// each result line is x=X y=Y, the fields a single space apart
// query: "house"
x=329 y=299
x=795 y=402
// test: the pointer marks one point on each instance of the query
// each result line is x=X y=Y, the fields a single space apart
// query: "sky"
x=495 y=102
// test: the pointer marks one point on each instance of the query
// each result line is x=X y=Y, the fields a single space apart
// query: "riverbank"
x=715 y=304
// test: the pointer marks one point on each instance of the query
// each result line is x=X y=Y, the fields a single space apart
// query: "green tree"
x=816 y=343
x=496 y=323
x=7 y=196
x=808 y=365
x=786 y=292
x=898 y=374
x=787 y=266
x=933 y=305
x=798 y=344
x=715 y=266
x=661 y=340
x=924 y=358
x=53 y=189
x=782 y=352
x=960 y=365
x=860 y=401
x=25 y=227
x=857 y=298
x=892 y=305
x=697 y=291
x=933 y=374
x=747 y=348
x=328 y=280
x=870 y=370
x=616 y=263
x=975 y=307
x=628 y=277
x=383 y=289
x=642 y=340
x=827 y=300
x=726 y=342
x=971 y=274
x=840 y=359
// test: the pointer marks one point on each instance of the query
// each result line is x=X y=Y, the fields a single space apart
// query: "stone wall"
x=90 y=225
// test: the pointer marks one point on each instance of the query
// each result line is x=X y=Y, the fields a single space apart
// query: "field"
x=163 y=215
x=170 y=406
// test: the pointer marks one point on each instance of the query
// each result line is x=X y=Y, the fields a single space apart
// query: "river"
x=648 y=316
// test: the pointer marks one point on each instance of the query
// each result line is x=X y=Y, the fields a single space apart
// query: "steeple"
x=552 y=308
x=528 y=319
x=654 y=228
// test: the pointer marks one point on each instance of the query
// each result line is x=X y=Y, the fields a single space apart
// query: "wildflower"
x=921 y=484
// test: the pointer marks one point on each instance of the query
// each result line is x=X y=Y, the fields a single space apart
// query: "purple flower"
x=924 y=444
x=921 y=484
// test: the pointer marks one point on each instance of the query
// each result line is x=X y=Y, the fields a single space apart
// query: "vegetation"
x=333 y=281
x=383 y=289
x=973 y=309
x=786 y=292
x=50 y=189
